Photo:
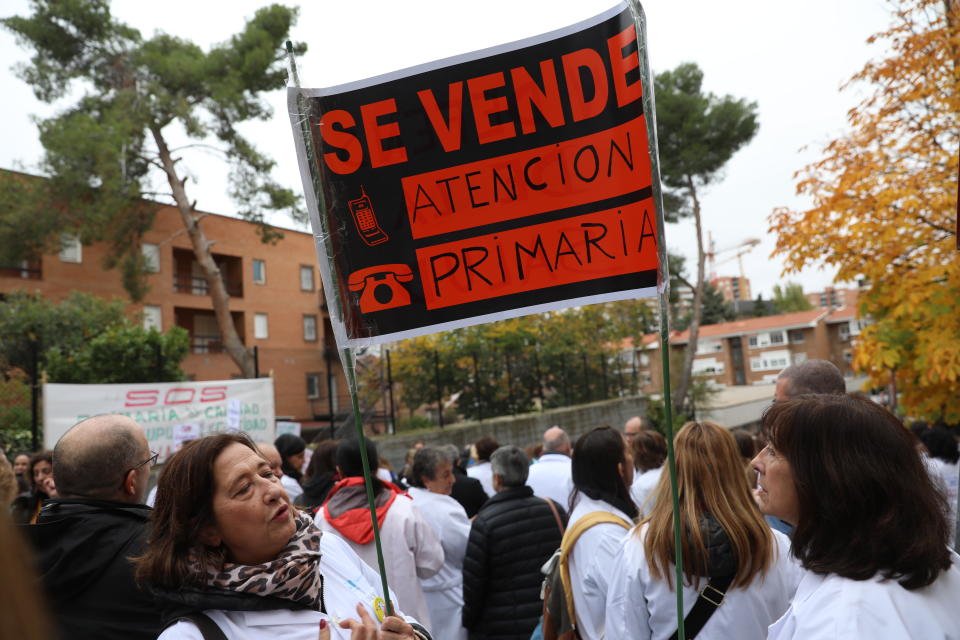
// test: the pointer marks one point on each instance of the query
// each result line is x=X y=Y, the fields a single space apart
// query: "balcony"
x=206 y=344
x=188 y=277
x=26 y=270
x=205 y=337
x=198 y=286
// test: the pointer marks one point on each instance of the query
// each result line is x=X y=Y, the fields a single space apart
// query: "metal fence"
x=488 y=384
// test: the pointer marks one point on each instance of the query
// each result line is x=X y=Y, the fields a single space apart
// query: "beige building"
x=831 y=298
x=754 y=350
x=733 y=288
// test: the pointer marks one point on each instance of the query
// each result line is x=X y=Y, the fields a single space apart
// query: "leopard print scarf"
x=294 y=574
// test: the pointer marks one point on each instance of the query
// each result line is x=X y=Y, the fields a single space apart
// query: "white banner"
x=170 y=413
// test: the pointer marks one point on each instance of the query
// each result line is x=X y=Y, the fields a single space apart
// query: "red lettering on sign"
x=621 y=66
x=448 y=129
x=141 y=398
x=213 y=394
x=581 y=106
x=529 y=93
x=337 y=137
x=484 y=107
x=596 y=245
x=574 y=172
x=376 y=133
x=179 y=396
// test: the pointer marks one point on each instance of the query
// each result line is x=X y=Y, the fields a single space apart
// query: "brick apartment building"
x=275 y=299
x=831 y=298
x=754 y=350
x=732 y=288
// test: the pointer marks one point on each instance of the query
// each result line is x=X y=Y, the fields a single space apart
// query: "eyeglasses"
x=152 y=460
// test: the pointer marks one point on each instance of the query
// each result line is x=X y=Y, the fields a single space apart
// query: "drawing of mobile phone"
x=366 y=220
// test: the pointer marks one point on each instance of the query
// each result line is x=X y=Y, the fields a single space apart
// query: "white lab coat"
x=828 y=607
x=950 y=474
x=291 y=486
x=444 y=591
x=411 y=551
x=591 y=564
x=642 y=488
x=347 y=581
x=483 y=472
x=642 y=608
x=551 y=478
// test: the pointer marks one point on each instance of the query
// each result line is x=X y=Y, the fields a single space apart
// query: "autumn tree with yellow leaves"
x=884 y=209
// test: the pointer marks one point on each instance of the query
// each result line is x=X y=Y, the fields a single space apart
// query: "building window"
x=152 y=317
x=848 y=357
x=313 y=385
x=310 y=328
x=770 y=361
x=766 y=339
x=259 y=272
x=844 y=331
x=151 y=256
x=306 y=278
x=260 y=329
x=795 y=336
x=707 y=367
x=709 y=346
x=799 y=358
x=70 y=248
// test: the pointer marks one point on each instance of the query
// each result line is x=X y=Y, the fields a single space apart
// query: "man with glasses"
x=84 y=538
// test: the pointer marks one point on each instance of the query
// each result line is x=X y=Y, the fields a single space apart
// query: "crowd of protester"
x=833 y=520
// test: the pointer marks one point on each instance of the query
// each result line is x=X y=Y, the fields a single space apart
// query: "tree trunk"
x=201 y=250
x=686 y=373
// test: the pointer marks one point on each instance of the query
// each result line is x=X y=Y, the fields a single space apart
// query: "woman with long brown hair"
x=729 y=552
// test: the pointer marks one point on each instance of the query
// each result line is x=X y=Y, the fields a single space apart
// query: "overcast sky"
x=789 y=57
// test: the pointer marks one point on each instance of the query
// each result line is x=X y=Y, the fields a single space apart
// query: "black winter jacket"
x=82 y=549
x=468 y=492
x=511 y=538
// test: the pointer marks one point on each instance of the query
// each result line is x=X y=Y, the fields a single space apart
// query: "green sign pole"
x=346 y=355
x=663 y=291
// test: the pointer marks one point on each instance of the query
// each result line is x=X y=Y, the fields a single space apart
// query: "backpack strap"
x=570 y=538
x=709 y=600
x=556 y=514
x=208 y=628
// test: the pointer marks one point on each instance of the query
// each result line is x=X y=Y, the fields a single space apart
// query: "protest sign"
x=171 y=413
x=495 y=184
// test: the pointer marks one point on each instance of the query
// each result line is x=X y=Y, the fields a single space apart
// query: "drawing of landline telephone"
x=380 y=286
x=366 y=220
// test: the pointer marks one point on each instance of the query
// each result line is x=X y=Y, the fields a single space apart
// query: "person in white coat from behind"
x=550 y=476
x=481 y=470
x=432 y=479
x=722 y=535
x=411 y=550
x=602 y=470
x=870 y=527
x=649 y=450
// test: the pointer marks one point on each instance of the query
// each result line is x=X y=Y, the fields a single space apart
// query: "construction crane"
x=739 y=249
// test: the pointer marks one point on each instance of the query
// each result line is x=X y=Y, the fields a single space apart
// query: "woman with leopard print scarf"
x=226 y=547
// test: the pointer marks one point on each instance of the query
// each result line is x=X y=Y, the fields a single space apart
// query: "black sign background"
x=425 y=153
